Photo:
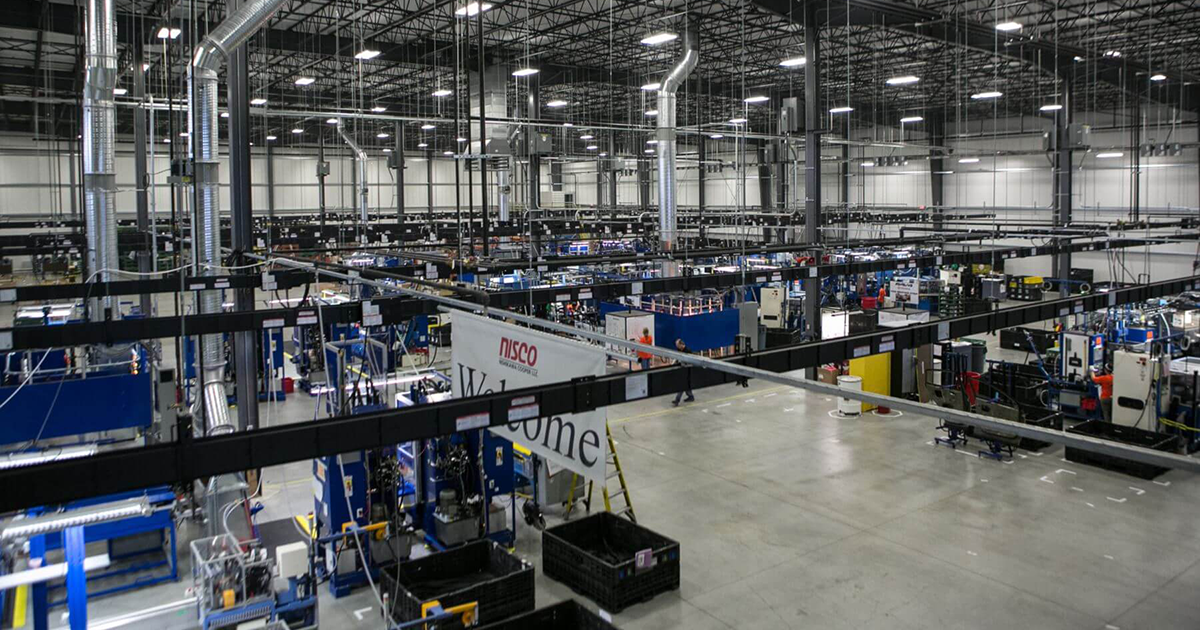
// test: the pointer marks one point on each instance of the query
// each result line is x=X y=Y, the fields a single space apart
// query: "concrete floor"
x=790 y=518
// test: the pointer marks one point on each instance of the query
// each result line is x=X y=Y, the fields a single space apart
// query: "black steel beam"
x=189 y=459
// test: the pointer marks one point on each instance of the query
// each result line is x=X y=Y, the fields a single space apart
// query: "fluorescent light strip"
x=659 y=38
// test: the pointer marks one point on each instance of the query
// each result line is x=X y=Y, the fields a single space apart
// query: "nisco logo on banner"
x=519 y=355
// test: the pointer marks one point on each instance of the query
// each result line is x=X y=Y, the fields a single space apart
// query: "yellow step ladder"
x=617 y=473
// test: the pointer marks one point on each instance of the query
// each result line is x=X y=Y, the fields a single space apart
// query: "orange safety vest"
x=649 y=341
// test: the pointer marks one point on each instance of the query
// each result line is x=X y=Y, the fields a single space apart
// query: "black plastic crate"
x=1040 y=417
x=568 y=615
x=481 y=571
x=1124 y=435
x=595 y=556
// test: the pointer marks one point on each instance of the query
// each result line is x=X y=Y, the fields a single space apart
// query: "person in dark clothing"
x=682 y=347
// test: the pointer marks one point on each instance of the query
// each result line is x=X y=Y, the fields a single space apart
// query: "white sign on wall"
x=491 y=356
x=906 y=291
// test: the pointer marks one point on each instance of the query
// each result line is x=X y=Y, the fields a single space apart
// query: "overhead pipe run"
x=99 y=172
x=667 y=185
x=209 y=57
x=360 y=158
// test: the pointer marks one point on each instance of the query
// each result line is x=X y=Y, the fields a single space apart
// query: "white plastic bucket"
x=850 y=406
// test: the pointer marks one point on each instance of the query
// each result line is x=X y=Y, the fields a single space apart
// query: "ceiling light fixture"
x=556 y=103
x=1008 y=26
x=379 y=109
x=592 y=147
x=1052 y=107
x=525 y=72
x=911 y=119
x=586 y=137
x=168 y=33
x=297 y=130
x=759 y=98
x=905 y=80
x=649 y=87
x=793 y=62
x=1158 y=77
x=471 y=10
x=1110 y=154
x=567 y=124
x=442 y=92
x=332 y=121
x=985 y=95
x=461 y=139
x=224 y=114
x=421 y=145
x=428 y=126
x=968 y=160
x=120 y=91
x=271 y=138
x=447 y=153
x=382 y=135
x=651 y=112
x=659 y=38
x=867 y=164
x=305 y=81
x=364 y=55
x=717 y=136
x=737 y=121
x=145 y=66
x=258 y=101
x=652 y=142
x=387 y=150
x=841 y=110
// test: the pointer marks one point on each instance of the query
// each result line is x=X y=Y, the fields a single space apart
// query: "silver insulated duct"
x=209 y=57
x=495 y=98
x=667 y=185
x=99 y=174
x=360 y=157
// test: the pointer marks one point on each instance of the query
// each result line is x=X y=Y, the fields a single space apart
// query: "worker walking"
x=682 y=347
x=644 y=357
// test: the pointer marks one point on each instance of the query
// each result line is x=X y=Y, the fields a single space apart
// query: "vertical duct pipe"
x=360 y=157
x=207 y=60
x=99 y=173
x=667 y=186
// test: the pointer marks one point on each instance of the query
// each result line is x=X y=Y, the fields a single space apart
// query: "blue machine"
x=342 y=506
x=105 y=400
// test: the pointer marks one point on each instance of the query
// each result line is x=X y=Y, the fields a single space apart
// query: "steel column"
x=140 y=178
x=270 y=192
x=812 y=166
x=320 y=181
x=937 y=166
x=1063 y=184
x=398 y=151
x=244 y=347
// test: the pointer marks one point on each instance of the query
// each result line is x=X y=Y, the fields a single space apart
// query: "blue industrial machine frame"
x=160 y=520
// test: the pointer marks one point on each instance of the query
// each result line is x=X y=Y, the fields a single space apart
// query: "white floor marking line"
x=1043 y=478
x=983 y=481
x=1121 y=500
x=737 y=421
x=972 y=553
x=1109 y=626
x=1108 y=557
x=1038 y=453
x=771 y=394
x=1163 y=483
x=1089 y=504
x=1139 y=491
x=723 y=405
x=790 y=409
x=358 y=614
x=750 y=400
x=1022 y=456
x=1064 y=470
x=966 y=453
x=662 y=453
x=703 y=411
x=1077 y=489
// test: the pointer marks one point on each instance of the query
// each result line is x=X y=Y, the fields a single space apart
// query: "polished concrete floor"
x=791 y=518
